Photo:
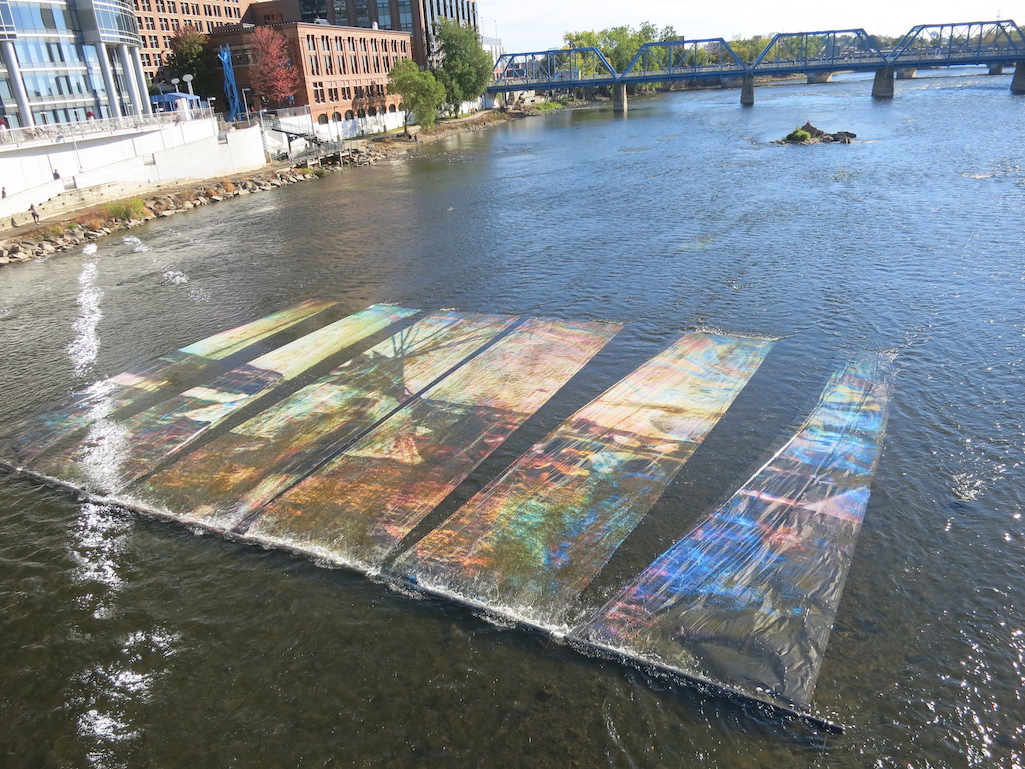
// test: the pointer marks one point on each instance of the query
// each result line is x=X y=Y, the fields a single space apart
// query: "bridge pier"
x=747 y=91
x=996 y=69
x=1018 y=81
x=882 y=86
x=815 y=78
x=619 y=98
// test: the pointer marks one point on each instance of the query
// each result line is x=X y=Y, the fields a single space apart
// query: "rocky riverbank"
x=106 y=219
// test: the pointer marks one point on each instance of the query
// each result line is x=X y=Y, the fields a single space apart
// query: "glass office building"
x=63 y=61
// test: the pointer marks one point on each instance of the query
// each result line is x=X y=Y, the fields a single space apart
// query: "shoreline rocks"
x=93 y=224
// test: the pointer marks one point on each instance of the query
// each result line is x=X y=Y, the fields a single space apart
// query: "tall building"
x=417 y=17
x=160 y=19
x=343 y=70
x=68 y=60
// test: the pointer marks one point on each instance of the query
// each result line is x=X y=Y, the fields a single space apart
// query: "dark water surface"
x=127 y=642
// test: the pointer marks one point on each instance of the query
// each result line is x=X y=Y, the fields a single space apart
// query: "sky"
x=536 y=25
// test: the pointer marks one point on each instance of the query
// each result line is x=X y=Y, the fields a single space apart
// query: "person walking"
x=35 y=214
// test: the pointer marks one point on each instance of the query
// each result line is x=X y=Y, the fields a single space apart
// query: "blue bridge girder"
x=711 y=58
x=995 y=43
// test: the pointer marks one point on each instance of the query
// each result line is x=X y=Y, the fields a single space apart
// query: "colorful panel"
x=363 y=503
x=749 y=596
x=104 y=398
x=115 y=452
x=533 y=538
x=224 y=481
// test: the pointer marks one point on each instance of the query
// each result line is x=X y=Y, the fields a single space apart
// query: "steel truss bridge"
x=818 y=55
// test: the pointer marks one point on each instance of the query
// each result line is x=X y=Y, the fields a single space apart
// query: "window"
x=165 y=23
x=154 y=42
x=318 y=92
x=314 y=61
x=322 y=119
x=147 y=5
x=332 y=95
x=336 y=117
x=172 y=6
x=348 y=114
x=167 y=41
x=329 y=65
x=341 y=65
x=311 y=43
x=161 y=6
x=148 y=22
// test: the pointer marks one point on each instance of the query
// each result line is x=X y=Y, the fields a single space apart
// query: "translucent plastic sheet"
x=222 y=482
x=533 y=538
x=114 y=451
x=359 y=506
x=105 y=398
x=748 y=598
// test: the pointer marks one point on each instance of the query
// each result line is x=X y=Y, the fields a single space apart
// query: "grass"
x=547 y=106
x=798 y=135
x=129 y=208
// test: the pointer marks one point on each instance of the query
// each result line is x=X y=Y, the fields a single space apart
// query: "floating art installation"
x=534 y=537
x=106 y=398
x=748 y=597
x=346 y=467
x=117 y=451
x=221 y=483
x=360 y=505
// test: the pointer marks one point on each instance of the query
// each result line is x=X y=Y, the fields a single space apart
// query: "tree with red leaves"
x=271 y=72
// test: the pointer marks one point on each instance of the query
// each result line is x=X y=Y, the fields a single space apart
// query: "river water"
x=127 y=642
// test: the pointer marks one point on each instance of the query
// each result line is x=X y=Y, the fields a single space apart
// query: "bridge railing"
x=824 y=50
x=682 y=59
x=556 y=69
x=961 y=43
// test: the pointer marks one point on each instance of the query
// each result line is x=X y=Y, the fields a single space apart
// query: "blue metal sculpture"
x=230 y=89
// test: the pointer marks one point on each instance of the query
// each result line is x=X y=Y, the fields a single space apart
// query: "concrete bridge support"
x=747 y=91
x=619 y=98
x=996 y=69
x=882 y=86
x=906 y=73
x=815 y=78
x=1018 y=81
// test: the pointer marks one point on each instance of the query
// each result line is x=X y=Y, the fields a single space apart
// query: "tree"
x=421 y=93
x=189 y=56
x=271 y=72
x=465 y=66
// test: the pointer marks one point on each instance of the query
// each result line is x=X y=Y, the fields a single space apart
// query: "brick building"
x=417 y=17
x=343 y=70
x=159 y=19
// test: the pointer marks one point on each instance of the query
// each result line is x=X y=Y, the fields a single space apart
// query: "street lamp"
x=245 y=101
x=188 y=81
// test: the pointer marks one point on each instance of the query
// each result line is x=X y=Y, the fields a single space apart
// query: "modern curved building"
x=69 y=60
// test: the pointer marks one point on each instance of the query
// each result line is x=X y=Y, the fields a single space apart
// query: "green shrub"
x=548 y=105
x=320 y=173
x=130 y=208
x=798 y=135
